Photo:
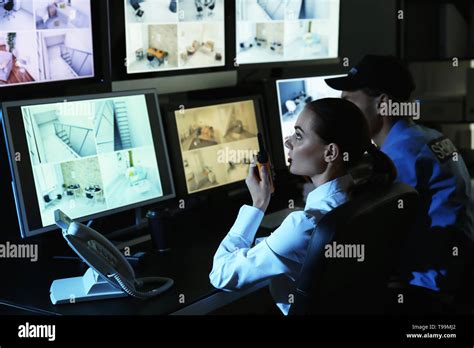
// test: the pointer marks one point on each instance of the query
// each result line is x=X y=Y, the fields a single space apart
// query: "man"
x=381 y=86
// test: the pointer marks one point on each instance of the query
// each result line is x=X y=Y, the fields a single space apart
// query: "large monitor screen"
x=45 y=40
x=164 y=35
x=217 y=143
x=286 y=30
x=294 y=94
x=87 y=156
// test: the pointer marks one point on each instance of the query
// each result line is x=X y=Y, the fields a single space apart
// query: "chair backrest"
x=9 y=5
x=353 y=251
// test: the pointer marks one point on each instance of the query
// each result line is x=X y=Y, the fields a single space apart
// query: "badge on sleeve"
x=443 y=148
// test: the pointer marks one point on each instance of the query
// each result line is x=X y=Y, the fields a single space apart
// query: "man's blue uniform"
x=428 y=161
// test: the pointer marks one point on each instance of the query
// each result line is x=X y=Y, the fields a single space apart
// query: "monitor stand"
x=237 y=193
x=140 y=224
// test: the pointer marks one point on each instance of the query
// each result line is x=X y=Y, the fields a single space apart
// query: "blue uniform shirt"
x=428 y=161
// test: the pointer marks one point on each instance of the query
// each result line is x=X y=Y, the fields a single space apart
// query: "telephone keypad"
x=99 y=249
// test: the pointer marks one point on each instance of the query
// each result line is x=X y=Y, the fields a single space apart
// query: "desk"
x=26 y=286
x=198 y=233
x=157 y=53
x=29 y=286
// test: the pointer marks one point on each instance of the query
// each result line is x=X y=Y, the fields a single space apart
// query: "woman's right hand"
x=259 y=187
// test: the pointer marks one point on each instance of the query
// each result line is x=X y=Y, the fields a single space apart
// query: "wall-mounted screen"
x=167 y=35
x=286 y=30
x=44 y=41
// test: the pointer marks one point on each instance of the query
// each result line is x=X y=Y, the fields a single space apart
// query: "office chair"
x=457 y=287
x=463 y=302
x=8 y=7
x=90 y=198
x=137 y=8
x=378 y=219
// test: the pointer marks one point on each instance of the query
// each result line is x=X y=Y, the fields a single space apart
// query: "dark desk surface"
x=194 y=242
x=28 y=285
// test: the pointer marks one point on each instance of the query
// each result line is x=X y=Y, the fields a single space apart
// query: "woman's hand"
x=260 y=190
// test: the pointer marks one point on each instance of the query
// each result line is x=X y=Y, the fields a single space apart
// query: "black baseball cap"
x=386 y=74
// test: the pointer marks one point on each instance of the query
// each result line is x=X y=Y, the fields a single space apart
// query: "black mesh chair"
x=377 y=219
x=8 y=7
x=136 y=6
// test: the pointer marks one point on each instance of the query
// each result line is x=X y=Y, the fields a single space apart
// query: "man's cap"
x=385 y=74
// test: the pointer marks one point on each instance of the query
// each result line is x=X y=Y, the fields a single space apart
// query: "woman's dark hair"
x=341 y=122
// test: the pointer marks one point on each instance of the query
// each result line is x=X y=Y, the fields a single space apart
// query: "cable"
x=130 y=289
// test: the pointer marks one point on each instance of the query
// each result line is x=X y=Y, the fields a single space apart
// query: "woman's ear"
x=331 y=153
x=382 y=104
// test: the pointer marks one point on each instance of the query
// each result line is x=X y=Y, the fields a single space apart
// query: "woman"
x=331 y=138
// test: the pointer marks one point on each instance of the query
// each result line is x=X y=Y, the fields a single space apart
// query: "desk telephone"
x=109 y=276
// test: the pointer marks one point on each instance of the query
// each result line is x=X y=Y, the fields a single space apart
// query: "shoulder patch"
x=443 y=148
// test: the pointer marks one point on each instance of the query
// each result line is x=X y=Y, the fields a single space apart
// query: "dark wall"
x=368 y=26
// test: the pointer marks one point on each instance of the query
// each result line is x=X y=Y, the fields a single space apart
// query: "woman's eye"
x=298 y=136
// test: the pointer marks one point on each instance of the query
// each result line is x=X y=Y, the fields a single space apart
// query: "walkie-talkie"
x=263 y=160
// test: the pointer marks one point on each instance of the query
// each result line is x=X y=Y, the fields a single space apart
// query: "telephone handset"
x=110 y=275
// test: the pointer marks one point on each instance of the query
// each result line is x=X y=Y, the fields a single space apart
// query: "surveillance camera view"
x=163 y=35
x=91 y=156
x=45 y=40
x=217 y=143
x=282 y=30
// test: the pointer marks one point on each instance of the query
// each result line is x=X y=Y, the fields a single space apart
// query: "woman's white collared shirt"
x=279 y=257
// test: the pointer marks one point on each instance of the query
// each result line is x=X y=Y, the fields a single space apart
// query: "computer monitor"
x=214 y=142
x=45 y=40
x=88 y=156
x=280 y=30
x=294 y=94
x=169 y=36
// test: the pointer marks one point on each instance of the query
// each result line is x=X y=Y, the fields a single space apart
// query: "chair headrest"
x=371 y=199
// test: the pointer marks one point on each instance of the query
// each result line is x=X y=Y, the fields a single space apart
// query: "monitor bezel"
x=118 y=48
x=176 y=154
x=160 y=145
